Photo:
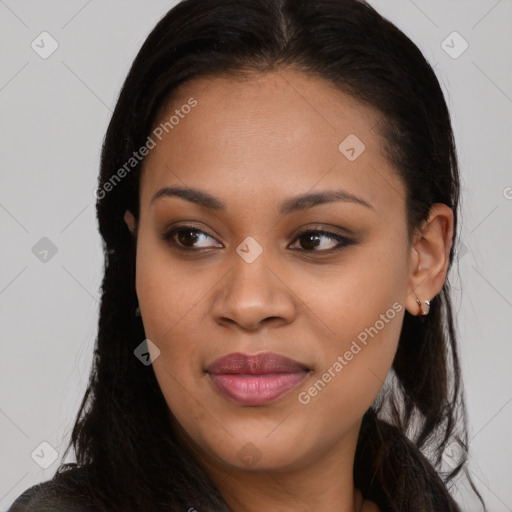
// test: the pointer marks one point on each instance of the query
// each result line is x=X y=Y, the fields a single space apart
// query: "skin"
x=253 y=143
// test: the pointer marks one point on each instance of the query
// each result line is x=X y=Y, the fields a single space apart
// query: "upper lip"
x=258 y=364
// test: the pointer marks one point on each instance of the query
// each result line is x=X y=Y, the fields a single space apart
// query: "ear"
x=429 y=258
x=130 y=221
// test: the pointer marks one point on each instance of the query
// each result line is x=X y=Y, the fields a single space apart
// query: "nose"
x=254 y=295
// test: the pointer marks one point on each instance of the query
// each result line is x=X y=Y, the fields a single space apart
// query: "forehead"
x=277 y=133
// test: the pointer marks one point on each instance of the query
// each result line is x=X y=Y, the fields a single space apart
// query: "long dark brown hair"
x=126 y=450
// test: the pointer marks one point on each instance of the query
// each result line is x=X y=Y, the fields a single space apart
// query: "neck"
x=271 y=492
x=323 y=483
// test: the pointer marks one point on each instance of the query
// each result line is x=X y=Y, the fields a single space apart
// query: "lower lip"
x=256 y=389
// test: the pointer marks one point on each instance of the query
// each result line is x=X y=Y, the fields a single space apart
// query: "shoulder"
x=65 y=492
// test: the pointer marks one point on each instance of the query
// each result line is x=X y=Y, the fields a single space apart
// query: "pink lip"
x=255 y=380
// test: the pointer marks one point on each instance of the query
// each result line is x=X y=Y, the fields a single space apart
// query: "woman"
x=278 y=198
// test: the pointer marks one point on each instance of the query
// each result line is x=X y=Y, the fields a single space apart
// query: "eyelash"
x=342 y=241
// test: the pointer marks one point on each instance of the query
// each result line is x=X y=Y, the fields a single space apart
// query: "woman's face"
x=293 y=243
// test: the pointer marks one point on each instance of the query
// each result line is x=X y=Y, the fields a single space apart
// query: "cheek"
x=166 y=291
x=361 y=311
x=173 y=298
x=364 y=312
x=353 y=297
x=168 y=298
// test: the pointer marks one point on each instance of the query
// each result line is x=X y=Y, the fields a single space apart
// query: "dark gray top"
x=65 y=492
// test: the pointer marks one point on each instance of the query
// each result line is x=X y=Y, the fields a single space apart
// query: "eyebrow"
x=292 y=204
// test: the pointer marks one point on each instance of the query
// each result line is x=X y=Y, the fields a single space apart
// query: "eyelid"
x=325 y=228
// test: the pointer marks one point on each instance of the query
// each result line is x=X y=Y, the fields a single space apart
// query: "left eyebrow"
x=292 y=204
x=309 y=200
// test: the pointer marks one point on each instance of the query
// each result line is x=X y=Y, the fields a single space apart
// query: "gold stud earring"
x=424 y=310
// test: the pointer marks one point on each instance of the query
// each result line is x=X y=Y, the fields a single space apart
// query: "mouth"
x=255 y=379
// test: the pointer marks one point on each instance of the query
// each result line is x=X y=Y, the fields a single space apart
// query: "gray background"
x=54 y=114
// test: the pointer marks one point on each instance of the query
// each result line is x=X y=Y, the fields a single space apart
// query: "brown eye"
x=189 y=238
x=321 y=241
